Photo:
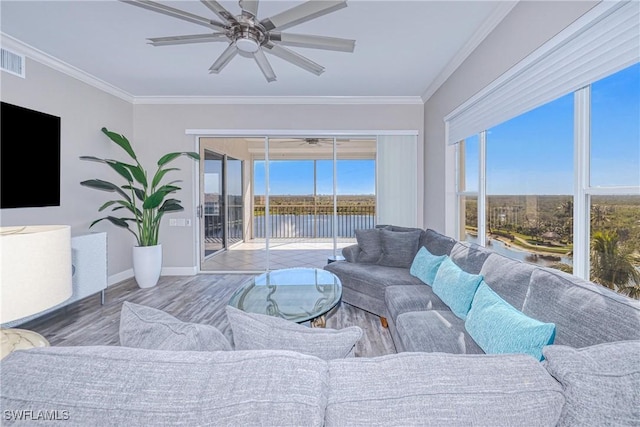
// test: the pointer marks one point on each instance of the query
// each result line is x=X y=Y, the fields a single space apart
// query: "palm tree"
x=599 y=214
x=612 y=266
x=566 y=219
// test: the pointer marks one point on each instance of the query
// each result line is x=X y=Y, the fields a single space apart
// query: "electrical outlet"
x=181 y=222
x=172 y=222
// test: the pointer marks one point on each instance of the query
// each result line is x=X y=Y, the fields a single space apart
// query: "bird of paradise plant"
x=144 y=200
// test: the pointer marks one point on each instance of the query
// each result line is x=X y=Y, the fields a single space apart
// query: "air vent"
x=12 y=62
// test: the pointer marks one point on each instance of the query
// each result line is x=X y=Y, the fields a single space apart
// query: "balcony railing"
x=293 y=221
x=213 y=225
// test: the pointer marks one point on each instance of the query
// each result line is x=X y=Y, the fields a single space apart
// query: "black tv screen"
x=29 y=158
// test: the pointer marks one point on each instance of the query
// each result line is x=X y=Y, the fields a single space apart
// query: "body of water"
x=518 y=253
x=310 y=226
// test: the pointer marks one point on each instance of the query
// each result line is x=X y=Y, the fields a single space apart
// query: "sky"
x=295 y=177
x=533 y=153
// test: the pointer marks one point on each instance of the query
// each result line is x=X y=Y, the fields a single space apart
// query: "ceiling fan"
x=310 y=142
x=250 y=36
x=316 y=142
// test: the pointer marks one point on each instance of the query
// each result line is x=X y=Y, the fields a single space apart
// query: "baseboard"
x=166 y=271
x=119 y=277
x=179 y=271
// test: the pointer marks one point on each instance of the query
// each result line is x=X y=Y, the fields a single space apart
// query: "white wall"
x=529 y=25
x=83 y=110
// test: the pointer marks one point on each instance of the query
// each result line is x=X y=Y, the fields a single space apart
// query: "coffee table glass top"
x=296 y=294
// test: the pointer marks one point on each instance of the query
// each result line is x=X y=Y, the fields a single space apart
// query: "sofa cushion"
x=398 y=228
x=370 y=245
x=508 y=277
x=119 y=386
x=369 y=279
x=399 y=247
x=147 y=327
x=350 y=253
x=405 y=298
x=253 y=331
x=410 y=389
x=601 y=383
x=425 y=265
x=585 y=314
x=456 y=287
x=436 y=243
x=434 y=331
x=469 y=256
x=498 y=327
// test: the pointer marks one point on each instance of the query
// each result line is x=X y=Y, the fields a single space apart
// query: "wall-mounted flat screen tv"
x=29 y=158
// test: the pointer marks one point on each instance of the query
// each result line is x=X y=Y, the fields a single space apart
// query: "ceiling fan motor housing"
x=247 y=35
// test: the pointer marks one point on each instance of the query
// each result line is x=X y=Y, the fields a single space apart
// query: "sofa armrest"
x=350 y=253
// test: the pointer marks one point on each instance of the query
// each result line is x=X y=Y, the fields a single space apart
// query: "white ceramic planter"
x=147 y=264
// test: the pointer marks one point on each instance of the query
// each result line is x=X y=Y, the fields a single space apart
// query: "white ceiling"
x=402 y=47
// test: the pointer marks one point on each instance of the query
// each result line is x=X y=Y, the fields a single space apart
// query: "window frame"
x=582 y=188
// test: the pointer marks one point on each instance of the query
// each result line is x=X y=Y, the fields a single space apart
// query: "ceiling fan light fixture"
x=247 y=45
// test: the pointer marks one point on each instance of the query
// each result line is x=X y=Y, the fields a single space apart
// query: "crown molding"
x=498 y=14
x=15 y=45
x=280 y=100
x=299 y=133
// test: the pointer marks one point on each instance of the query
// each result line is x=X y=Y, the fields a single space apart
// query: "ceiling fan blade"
x=294 y=58
x=191 y=38
x=219 y=10
x=264 y=65
x=176 y=13
x=314 y=42
x=302 y=13
x=229 y=53
x=249 y=7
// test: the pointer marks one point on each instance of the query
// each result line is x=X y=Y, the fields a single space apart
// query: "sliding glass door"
x=222 y=211
x=271 y=203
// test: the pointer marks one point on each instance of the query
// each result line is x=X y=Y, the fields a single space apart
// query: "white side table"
x=20 y=339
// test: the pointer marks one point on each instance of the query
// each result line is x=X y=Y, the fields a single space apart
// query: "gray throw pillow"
x=150 y=328
x=370 y=246
x=399 y=248
x=253 y=331
x=601 y=383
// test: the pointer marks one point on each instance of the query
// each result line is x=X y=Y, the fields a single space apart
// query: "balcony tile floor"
x=251 y=256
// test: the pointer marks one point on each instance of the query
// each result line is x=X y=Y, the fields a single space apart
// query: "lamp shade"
x=35 y=269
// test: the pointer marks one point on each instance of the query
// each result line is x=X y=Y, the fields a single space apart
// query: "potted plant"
x=144 y=202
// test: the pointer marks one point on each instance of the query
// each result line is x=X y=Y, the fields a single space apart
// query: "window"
x=530 y=184
x=536 y=198
x=554 y=184
x=468 y=187
x=614 y=191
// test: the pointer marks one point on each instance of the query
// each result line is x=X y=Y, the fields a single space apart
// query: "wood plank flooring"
x=199 y=299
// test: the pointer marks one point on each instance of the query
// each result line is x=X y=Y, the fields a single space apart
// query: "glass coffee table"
x=296 y=294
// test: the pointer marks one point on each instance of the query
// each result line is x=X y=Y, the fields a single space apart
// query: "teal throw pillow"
x=425 y=265
x=498 y=327
x=455 y=287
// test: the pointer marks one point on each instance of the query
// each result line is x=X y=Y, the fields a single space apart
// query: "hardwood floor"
x=199 y=299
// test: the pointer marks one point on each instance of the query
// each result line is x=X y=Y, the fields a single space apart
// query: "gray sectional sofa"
x=584 y=313
x=120 y=386
x=590 y=376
